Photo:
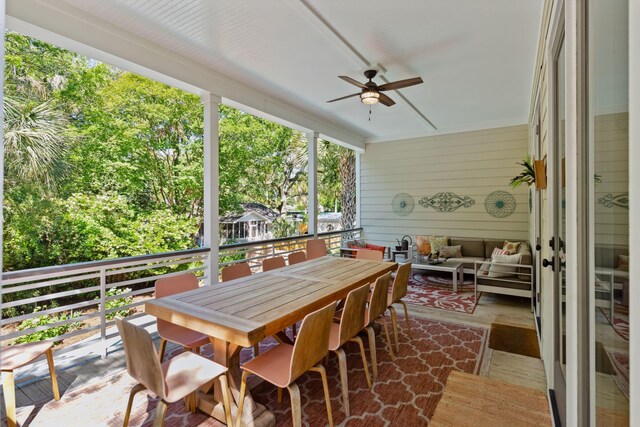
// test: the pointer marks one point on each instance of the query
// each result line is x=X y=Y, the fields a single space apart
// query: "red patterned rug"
x=620 y=362
x=407 y=391
x=436 y=291
x=620 y=321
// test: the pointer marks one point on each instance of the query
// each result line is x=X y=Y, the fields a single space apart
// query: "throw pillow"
x=511 y=247
x=382 y=249
x=437 y=242
x=424 y=247
x=451 y=251
x=484 y=268
x=623 y=262
x=498 y=251
x=498 y=269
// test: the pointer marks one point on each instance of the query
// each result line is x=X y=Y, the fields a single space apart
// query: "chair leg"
x=394 y=323
x=342 y=361
x=358 y=340
x=279 y=394
x=54 y=377
x=163 y=346
x=372 y=352
x=161 y=411
x=323 y=373
x=256 y=350
x=293 y=332
x=406 y=316
x=196 y=350
x=225 y=398
x=243 y=389
x=296 y=408
x=386 y=332
x=134 y=390
x=8 y=387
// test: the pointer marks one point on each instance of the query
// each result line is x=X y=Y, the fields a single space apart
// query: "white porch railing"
x=82 y=288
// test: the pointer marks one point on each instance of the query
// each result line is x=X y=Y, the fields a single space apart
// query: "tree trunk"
x=348 y=195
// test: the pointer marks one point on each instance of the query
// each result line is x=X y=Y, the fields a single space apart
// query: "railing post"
x=103 y=312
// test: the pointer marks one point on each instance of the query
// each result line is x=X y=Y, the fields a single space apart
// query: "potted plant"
x=534 y=172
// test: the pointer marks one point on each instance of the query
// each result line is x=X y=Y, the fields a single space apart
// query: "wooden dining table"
x=242 y=312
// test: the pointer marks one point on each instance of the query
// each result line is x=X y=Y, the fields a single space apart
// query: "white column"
x=2 y=31
x=312 y=201
x=211 y=184
x=358 y=208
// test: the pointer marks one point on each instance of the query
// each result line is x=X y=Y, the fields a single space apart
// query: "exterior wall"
x=470 y=164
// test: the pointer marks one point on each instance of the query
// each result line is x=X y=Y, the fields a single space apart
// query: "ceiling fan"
x=372 y=93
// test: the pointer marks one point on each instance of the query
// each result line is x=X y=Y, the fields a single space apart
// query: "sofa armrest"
x=525 y=259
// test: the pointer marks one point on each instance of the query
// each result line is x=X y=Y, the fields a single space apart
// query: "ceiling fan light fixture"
x=370 y=97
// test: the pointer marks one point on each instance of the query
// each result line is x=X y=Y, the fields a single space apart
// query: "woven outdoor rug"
x=436 y=290
x=407 y=391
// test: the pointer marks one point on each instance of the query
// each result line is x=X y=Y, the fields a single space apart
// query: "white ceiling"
x=477 y=58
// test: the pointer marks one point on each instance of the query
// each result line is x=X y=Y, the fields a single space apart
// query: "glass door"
x=609 y=200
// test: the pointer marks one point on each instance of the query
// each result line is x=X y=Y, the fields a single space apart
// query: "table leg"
x=254 y=414
x=455 y=280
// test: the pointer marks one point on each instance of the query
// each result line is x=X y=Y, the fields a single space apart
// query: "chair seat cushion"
x=273 y=365
x=188 y=372
x=19 y=355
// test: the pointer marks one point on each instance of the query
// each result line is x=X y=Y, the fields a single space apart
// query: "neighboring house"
x=329 y=221
x=251 y=224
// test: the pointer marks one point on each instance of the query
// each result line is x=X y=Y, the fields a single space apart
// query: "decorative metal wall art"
x=402 y=204
x=500 y=204
x=446 y=202
x=610 y=200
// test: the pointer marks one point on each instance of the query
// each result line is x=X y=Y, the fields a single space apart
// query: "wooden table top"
x=247 y=310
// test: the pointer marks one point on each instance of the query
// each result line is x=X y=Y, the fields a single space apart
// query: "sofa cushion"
x=526 y=258
x=437 y=242
x=511 y=247
x=382 y=249
x=470 y=247
x=498 y=269
x=424 y=247
x=623 y=262
x=490 y=245
x=451 y=251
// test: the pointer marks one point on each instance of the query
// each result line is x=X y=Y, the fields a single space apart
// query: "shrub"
x=118 y=302
x=44 y=320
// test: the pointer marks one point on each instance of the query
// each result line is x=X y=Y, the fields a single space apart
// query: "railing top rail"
x=286 y=239
x=112 y=262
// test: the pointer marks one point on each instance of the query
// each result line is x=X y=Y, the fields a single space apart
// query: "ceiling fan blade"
x=385 y=100
x=401 y=83
x=345 y=97
x=353 y=82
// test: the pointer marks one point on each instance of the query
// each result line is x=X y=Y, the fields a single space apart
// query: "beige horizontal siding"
x=470 y=164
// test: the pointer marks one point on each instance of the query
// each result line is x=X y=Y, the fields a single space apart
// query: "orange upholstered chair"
x=190 y=340
x=297 y=257
x=172 y=380
x=236 y=271
x=397 y=292
x=351 y=323
x=283 y=364
x=273 y=263
x=316 y=248
x=15 y=356
x=369 y=254
x=377 y=308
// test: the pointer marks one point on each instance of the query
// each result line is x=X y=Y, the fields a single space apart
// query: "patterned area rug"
x=620 y=363
x=621 y=319
x=407 y=391
x=436 y=291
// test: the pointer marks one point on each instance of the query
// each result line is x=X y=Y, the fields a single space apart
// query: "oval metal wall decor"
x=402 y=204
x=500 y=204
x=446 y=202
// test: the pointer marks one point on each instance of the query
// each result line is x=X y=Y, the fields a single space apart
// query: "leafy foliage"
x=44 y=320
x=118 y=302
x=527 y=176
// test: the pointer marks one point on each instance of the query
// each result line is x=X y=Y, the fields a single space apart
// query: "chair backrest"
x=316 y=248
x=401 y=282
x=171 y=286
x=378 y=302
x=369 y=254
x=352 y=320
x=312 y=343
x=273 y=263
x=297 y=257
x=142 y=360
x=236 y=271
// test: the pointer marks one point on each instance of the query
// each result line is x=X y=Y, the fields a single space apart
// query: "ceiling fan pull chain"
x=369 y=112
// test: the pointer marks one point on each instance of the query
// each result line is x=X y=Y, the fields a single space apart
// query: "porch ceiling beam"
x=62 y=24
